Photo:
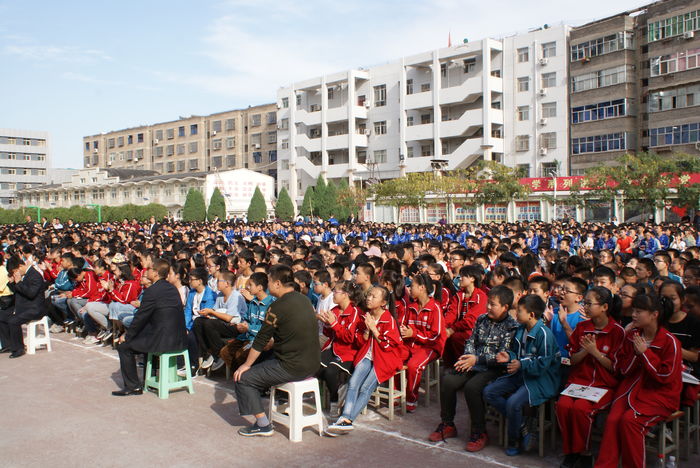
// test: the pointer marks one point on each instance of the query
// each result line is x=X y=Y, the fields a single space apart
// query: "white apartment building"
x=24 y=160
x=446 y=108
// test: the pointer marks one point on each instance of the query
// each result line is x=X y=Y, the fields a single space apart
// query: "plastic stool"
x=431 y=378
x=390 y=394
x=663 y=447
x=296 y=420
x=34 y=341
x=167 y=378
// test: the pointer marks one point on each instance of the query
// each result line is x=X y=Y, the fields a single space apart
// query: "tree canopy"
x=284 y=208
x=217 y=206
x=194 y=209
x=257 y=210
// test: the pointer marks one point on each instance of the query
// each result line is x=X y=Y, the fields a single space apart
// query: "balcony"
x=419 y=100
x=469 y=121
x=307 y=117
x=420 y=132
x=468 y=91
x=337 y=114
x=309 y=144
x=337 y=142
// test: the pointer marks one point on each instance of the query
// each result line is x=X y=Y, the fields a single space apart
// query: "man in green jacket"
x=291 y=324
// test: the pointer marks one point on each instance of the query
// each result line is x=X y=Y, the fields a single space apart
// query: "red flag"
x=449 y=39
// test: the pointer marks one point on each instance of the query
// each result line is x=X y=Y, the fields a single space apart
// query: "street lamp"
x=553 y=174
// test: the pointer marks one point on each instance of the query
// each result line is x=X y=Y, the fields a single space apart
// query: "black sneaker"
x=255 y=430
x=340 y=427
x=570 y=460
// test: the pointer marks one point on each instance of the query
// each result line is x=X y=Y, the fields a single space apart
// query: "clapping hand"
x=640 y=345
x=370 y=322
x=502 y=357
x=406 y=332
x=465 y=362
x=588 y=343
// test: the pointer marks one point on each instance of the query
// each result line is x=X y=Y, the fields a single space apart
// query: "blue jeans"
x=362 y=383
x=121 y=312
x=509 y=395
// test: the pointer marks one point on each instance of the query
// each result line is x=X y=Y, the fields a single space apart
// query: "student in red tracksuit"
x=86 y=289
x=592 y=347
x=339 y=325
x=650 y=364
x=394 y=282
x=424 y=335
x=465 y=307
x=447 y=287
x=378 y=359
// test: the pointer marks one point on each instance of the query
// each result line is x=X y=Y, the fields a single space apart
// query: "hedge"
x=82 y=214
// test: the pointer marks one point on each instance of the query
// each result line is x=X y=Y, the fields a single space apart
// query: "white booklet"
x=689 y=378
x=593 y=394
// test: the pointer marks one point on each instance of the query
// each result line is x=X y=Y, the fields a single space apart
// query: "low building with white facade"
x=24 y=162
x=114 y=187
x=449 y=108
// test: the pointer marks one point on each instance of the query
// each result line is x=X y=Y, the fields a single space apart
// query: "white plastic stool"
x=34 y=341
x=296 y=420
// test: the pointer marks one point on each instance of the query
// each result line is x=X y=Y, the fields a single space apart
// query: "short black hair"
x=260 y=279
x=504 y=295
x=533 y=304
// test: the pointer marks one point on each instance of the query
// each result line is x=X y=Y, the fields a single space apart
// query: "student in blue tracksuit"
x=200 y=297
x=533 y=371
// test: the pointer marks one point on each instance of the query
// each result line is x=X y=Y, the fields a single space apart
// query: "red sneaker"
x=477 y=442
x=443 y=431
x=411 y=406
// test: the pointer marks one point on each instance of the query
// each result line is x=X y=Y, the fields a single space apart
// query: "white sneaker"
x=90 y=340
x=206 y=364
x=182 y=372
x=56 y=328
x=218 y=364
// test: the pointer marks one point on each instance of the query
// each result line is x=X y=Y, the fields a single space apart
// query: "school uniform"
x=426 y=344
x=577 y=415
x=340 y=349
x=649 y=392
x=460 y=317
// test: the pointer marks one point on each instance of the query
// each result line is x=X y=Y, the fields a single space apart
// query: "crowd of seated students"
x=515 y=312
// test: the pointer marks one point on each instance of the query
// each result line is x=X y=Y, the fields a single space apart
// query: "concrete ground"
x=57 y=410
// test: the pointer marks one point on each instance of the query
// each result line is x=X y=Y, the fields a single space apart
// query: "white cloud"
x=54 y=53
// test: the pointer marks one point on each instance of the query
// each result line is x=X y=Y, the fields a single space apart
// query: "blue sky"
x=77 y=68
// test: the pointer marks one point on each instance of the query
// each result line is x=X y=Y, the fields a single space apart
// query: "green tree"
x=496 y=183
x=319 y=196
x=217 y=206
x=307 y=204
x=194 y=209
x=330 y=200
x=257 y=210
x=284 y=208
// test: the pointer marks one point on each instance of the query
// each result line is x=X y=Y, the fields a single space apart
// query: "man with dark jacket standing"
x=28 y=286
x=293 y=327
x=158 y=327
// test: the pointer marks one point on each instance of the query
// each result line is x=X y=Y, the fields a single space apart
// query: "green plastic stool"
x=167 y=378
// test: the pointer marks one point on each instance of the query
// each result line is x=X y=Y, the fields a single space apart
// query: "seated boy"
x=477 y=367
x=533 y=370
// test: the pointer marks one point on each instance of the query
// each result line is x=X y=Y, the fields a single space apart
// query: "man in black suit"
x=28 y=285
x=158 y=327
x=153 y=227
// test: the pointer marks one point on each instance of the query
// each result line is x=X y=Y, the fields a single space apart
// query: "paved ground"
x=57 y=410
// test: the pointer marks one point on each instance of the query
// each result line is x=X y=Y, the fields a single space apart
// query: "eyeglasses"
x=628 y=296
x=569 y=291
x=588 y=304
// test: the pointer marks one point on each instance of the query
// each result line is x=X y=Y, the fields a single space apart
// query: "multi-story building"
x=115 y=187
x=635 y=79
x=244 y=138
x=24 y=162
x=447 y=108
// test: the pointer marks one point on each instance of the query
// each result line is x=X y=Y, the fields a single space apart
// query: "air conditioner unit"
x=543 y=61
x=156 y=141
x=367 y=104
x=543 y=121
x=367 y=131
x=542 y=151
x=279 y=106
x=688 y=34
x=109 y=163
x=136 y=159
x=257 y=146
x=697 y=146
x=543 y=92
x=95 y=151
x=213 y=133
x=87 y=165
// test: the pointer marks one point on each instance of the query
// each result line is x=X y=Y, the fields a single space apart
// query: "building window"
x=110 y=143
x=673 y=26
x=426 y=150
x=139 y=154
x=216 y=144
x=171 y=167
x=600 y=79
x=380 y=127
x=158 y=151
x=379 y=156
x=549 y=109
x=194 y=129
x=426 y=119
x=272 y=155
x=95 y=144
x=271 y=118
x=469 y=65
x=230 y=142
x=255 y=120
x=409 y=86
x=522 y=143
x=425 y=87
x=524 y=54
x=549 y=80
x=548 y=140
x=602 y=45
x=257 y=157
x=523 y=170
x=678 y=98
x=159 y=134
x=548 y=169
x=599 y=143
x=230 y=160
x=230 y=124
x=523 y=83
x=181 y=131
x=675 y=135
x=216 y=125
x=549 y=49
x=181 y=148
x=87 y=146
x=130 y=140
x=194 y=164
x=599 y=111
x=523 y=113
x=170 y=150
x=271 y=137
x=217 y=162
x=193 y=147
x=380 y=95
x=139 y=138
x=180 y=166
x=285 y=103
x=678 y=62
x=120 y=141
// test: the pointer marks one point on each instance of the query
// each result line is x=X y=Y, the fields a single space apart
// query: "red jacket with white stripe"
x=125 y=292
x=341 y=333
x=652 y=380
x=428 y=326
x=463 y=312
x=88 y=287
x=590 y=371
x=386 y=350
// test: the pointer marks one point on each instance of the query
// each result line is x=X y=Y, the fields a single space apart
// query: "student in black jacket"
x=27 y=284
x=158 y=327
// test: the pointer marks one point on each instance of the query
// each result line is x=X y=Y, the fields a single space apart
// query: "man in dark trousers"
x=153 y=227
x=158 y=327
x=292 y=324
x=28 y=285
